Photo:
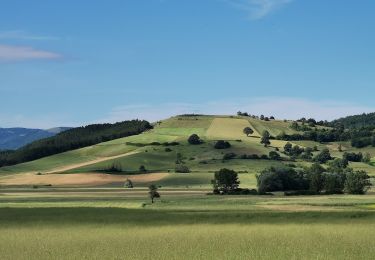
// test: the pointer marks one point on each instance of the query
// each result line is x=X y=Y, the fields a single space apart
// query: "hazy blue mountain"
x=14 y=138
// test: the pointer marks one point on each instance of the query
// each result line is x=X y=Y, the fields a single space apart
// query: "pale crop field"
x=227 y=128
x=184 y=224
x=193 y=241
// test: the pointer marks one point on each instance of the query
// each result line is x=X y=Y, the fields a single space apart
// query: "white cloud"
x=22 y=35
x=280 y=107
x=22 y=53
x=258 y=9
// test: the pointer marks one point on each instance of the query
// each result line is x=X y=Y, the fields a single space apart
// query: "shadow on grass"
x=145 y=217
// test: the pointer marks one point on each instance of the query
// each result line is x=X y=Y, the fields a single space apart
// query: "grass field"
x=118 y=224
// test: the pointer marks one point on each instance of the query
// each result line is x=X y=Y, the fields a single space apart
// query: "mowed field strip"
x=227 y=128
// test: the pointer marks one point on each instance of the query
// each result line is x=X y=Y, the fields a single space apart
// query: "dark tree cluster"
x=336 y=179
x=357 y=121
x=73 y=139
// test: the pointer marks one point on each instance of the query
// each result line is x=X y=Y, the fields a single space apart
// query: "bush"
x=274 y=155
x=142 y=168
x=128 y=184
x=221 y=144
x=180 y=168
x=353 y=157
x=229 y=156
x=168 y=150
x=323 y=156
x=194 y=139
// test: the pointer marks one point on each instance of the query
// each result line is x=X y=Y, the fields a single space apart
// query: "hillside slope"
x=165 y=148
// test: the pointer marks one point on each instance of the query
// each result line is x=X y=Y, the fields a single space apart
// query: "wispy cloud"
x=22 y=35
x=280 y=107
x=258 y=9
x=11 y=53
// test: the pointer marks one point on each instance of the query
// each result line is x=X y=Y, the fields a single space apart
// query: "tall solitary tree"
x=225 y=181
x=265 y=138
x=248 y=131
x=153 y=192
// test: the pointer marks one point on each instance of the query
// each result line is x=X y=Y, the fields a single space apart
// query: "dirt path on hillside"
x=98 y=160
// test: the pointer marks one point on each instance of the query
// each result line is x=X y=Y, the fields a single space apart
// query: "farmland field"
x=73 y=205
x=184 y=224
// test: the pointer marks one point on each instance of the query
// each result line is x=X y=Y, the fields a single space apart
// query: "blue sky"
x=78 y=62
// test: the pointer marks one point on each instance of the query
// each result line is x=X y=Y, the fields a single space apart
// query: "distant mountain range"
x=14 y=138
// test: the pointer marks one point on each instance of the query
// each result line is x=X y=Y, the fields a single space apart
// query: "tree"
x=153 y=192
x=315 y=176
x=225 y=181
x=248 y=131
x=194 y=139
x=265 y=138
x=128 y=184
x=333 y=183
x=323 y=156
x=357 y=182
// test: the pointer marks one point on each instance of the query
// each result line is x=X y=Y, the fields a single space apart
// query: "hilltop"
x=161 y=155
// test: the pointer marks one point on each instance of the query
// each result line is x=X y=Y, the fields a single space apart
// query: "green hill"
x=159 y=149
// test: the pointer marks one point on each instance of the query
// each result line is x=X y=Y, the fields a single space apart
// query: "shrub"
x=274 y=155
x=194 y=139
x=229 y=156
x=221 y=144
x=168 y=150
x=142 y=168
x=180 y=168
x=323 y=156
x=128 y=184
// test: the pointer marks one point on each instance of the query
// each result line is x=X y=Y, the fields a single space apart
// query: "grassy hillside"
x=150 y=150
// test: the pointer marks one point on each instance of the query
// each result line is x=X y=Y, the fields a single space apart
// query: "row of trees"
x=336 y=179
